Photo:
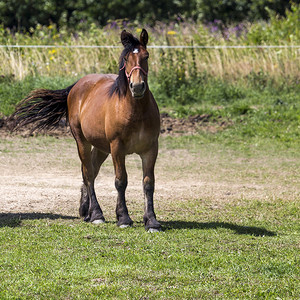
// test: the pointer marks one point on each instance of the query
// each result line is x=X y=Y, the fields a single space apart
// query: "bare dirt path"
x=42 y=175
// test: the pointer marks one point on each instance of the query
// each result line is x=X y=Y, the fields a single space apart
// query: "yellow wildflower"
x=52 y=51
x=138 y=30
x=172 y=32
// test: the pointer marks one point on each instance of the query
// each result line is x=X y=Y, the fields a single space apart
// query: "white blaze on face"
x=136 y=50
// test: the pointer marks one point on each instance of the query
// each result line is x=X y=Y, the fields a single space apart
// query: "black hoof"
x=95 y=219
x=153 y=230
x=100 y=221
x=152 y=225
x=87 y=219
x=125 y=222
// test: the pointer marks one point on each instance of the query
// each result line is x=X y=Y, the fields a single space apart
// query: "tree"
x=23 y=14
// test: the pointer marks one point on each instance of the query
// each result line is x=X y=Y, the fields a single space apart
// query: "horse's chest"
x=138 y=140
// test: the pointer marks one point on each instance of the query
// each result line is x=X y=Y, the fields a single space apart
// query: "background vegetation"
x=229 y=64
x=22 y=15
x=255 y=92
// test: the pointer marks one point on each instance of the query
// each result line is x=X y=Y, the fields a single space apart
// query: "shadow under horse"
x=238 y=229
x=15 y=219
x=107 y=114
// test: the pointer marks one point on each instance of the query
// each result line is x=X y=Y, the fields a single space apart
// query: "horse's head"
x=135 y=62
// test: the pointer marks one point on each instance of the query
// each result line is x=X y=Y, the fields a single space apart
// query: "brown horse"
x=107 y=113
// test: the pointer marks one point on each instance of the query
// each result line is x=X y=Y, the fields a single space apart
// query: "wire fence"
x=157 y=46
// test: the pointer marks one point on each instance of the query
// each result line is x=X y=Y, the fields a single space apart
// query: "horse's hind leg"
x=89 y=206
x=84 y=202
x=98 y=157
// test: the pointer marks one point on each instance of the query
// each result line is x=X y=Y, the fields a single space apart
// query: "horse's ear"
x=144 y=37
x=126 y=38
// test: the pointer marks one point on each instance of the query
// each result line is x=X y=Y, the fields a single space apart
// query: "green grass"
x=202 y=255
x=237 y=248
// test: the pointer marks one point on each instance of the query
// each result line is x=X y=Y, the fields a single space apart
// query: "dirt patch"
x=42 y=176
x=191 y=125
x=169 y=126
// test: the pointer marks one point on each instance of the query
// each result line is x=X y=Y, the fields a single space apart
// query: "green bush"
x=12 y=91
x=277 y=29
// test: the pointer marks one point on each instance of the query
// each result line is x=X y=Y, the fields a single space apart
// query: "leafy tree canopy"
x=23 y=14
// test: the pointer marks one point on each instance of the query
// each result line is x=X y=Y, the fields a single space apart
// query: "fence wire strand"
x=157 y=46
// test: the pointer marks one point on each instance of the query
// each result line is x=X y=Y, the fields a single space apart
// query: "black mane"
x=120 y=85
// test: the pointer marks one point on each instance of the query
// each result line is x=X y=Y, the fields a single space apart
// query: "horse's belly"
x=95 y=135
x=101 y=144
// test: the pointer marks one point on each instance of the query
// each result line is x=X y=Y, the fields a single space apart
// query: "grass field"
x=230 y=215
x=227 y=196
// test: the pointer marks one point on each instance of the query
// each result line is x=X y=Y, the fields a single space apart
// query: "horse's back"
x=85 y=86
x=92 y=87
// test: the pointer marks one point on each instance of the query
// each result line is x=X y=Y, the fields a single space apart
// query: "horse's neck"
x=136 y=107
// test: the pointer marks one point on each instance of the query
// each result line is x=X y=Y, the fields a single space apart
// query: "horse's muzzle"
x=137 y=89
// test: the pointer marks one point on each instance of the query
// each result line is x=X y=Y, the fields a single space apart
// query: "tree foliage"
x=229 y=11
x=23 y=14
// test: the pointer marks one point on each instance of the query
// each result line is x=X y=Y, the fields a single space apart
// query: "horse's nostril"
x=131 y=85
x=143 y=85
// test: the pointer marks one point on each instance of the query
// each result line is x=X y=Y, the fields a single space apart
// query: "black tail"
x=44 y=108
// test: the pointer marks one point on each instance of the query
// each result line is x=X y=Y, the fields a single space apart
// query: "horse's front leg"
x=148 y=160
x=118 y=156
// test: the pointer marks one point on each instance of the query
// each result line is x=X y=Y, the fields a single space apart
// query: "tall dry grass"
x=232 y=64
x=229 y=63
